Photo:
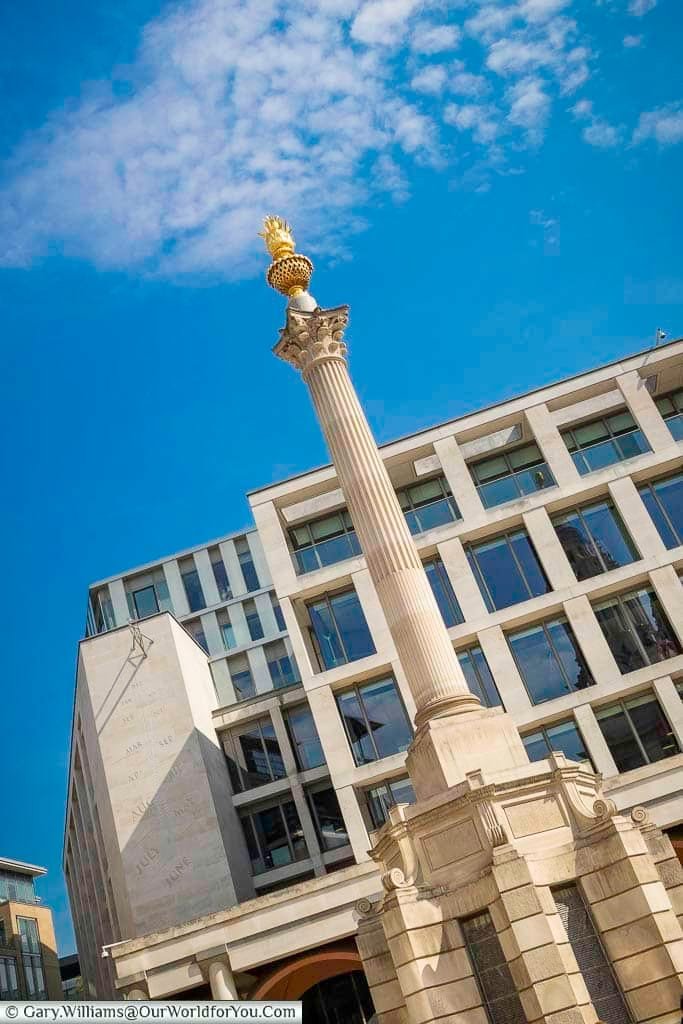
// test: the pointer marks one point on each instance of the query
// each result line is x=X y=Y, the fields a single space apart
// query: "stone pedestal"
x=577 y=903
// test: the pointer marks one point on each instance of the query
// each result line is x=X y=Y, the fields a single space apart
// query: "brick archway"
x=292 y=979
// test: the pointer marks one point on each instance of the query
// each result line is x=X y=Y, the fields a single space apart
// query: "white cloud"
x=630 y=42
x=529 y=106
x=596 y=131
x=664 y=125
x=430 y=79
x=464 y=83
x=481 y=121
x=640 y=7
x=383 y=21
x=434 y=38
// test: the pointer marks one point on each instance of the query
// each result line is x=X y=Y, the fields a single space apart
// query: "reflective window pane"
x=563 y=737
x=356 y=728
x=549 y=660
x=145 y=602
x=653 y=728
x=637 y=732
x=308 y=750
x=427 y=505
x=605 y=441
x=340 y=629
x=507 y=477
x=375 y=720
x=328 y=818
x=637 y=630
x=507 y=570
x=193 y=590
x=221 y=577
x=595 y=540
x=620 y=738
x=478 y=676
x=664 y=501
x=380 y=798
x=443 y=592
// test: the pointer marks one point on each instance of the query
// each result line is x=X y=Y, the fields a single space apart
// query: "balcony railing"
x=327 y=552
x=596 y=456
x=515 y=485
x=435 y=513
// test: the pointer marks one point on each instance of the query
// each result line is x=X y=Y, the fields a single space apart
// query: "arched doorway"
x=296 y=976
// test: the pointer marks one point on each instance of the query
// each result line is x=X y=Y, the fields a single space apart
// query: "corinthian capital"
x=310 y=338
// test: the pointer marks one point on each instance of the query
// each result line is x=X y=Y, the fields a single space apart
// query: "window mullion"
x=635 y=734
x=481 y=579
x=558 y=660
x=337 y=630
x=287 y=833
x=633 y=630
x=594 y=546
x=367 y=722
x=666 y=515
x=517 y=562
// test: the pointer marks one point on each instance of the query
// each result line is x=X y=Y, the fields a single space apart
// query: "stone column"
x=313 y=343
x=222 y=981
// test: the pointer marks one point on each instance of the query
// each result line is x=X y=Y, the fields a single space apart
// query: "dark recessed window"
x=387 y=794
x=440 y=583
x=549 y=660
x=251 y=580
x=277 y=612
x=494 y=979
x=192 y=585
x=478 y=676
x=324 y=541
x=274 y=836
x=338 y=629
x=197 y=631
x=511 y=475
x=636 y=732
x=595 y=539
x=671 y=408
x=220 y=574
x=9 y=984
x=507 y=570
x=253 y=754
x=327 y=816
x=375 y=720
x=253 y=620
x=664 y=501
x=303 y=734
x=605 y=441
x=563 y=737
x=427 y=505
x=282 y=665
x=242 y=679
x=637 y=630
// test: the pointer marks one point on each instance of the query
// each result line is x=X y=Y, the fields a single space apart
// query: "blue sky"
x=493 y=187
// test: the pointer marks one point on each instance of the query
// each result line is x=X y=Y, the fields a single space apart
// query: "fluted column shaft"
x=313 y=342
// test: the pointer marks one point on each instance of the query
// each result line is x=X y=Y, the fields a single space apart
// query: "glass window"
x=242 y=679
x=387 y=794
x=16 y=886
x=31 y=958
x=498 y=990
x=603 y=442
x=253 y=754
x=507 y=570
x=664 y=501
x=100 y=612
x=511 y=475
x=549 y=660
x=277 y=612
x=327 y=817
x=253 y=620
x=324 y=541
x=563 y=737
x=220 y=574
x=478 y=676
x=375 y=720
x=671 y=408
x=9 y=985
x=251 y=580
x=274 y=836
x=304 y=737
x=440 y=583
x=595 y=539
x=282 y=665
x=148 y=594
x=429 y=504
x=192 y=584
x=637 y=732
x=339 y=630
x=145 y=602
x=594 y=965
x=197 y=630
x=227 y=631
x=637 y=630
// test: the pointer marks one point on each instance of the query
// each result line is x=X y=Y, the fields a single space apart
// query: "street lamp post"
x=453 y=730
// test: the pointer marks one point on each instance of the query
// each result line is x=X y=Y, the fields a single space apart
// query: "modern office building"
x=241 y=716
x=29 y=968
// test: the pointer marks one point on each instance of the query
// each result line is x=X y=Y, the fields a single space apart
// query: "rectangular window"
x=15 y=886
x=604 y=441
x=253 y=754
x=242 y=679
x=31 y=958
x=563 y=737
x=9 y=985
x=594 y=539
x=282 y=665
x=327 y=817
x=387 y=794
x=192 y=585
x=146 y=595
x=440 y=583
x=338 y=629
x=251 y=580
x=196 y=629
x=507 y=570
x=637 y=630
x=253 y=620
x=549 y=660
x=671 y=408
x=637 y=732
x=511 y=475
x=220 y=574
x=227 y=630
x=304 y=738
x=375 y=720
x=274 y=836
x=429 y=504
x=478 y=676
x=498 y=990
x=100 y=612
x=277 y=612
x=324 y=541
x=664 y=501
x=594 y=965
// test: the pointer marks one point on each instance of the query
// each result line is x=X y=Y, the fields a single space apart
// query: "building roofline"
x=472 y=412
x=21 y=867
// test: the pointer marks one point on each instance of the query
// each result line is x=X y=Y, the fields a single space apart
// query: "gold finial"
x=290 y=272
